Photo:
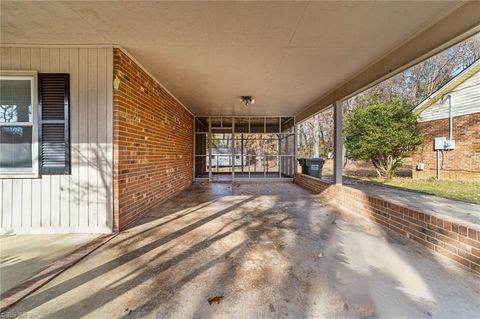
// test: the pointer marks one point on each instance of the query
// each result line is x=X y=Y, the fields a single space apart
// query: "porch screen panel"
x=238 y=148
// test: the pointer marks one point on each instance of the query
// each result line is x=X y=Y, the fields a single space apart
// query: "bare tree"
x=420 y=81
x=315 y=134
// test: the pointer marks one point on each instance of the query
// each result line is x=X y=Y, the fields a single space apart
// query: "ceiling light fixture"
x=247 y=99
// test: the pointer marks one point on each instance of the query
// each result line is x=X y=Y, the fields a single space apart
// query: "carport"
x=156 y=107
x=168 y=76
x=250 y=251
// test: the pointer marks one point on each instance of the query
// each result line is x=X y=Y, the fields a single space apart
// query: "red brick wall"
x=463 y=163
x=451 y=237
x=153 y=142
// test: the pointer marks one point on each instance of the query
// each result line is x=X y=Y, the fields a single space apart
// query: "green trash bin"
x=312 y=166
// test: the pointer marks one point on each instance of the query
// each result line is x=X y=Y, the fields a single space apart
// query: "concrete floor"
x=227 y=177
x=257 y=251
x=22 y=256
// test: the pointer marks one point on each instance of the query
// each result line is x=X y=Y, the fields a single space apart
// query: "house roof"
x=448 y=87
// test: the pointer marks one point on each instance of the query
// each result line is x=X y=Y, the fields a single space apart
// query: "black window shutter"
x=54 y=126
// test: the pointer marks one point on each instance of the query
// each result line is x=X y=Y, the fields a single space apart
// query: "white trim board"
x=57 y=230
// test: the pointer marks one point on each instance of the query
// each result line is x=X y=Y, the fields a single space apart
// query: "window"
x=18 y=124
x=34 y=128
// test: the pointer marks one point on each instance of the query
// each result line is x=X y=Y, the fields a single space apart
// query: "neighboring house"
x=222 y=156
x=462 y=162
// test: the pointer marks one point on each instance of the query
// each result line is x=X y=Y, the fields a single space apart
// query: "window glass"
x=15 y=147
x=16 y=101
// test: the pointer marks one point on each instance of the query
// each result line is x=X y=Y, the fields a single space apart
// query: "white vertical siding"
x=82 y=201
x=465 y=100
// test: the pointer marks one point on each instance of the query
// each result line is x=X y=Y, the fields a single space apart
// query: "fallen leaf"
x=215 y=299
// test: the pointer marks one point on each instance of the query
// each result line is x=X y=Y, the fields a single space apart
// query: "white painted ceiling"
x=286 y=54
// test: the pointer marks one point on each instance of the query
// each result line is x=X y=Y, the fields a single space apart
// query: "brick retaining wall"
x=448 y=236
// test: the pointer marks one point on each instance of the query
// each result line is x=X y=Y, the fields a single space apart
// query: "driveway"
x=265 y=250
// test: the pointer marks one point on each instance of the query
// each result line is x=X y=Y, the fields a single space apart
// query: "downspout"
x=450 y=118
x=438 y=165
x=450 y=129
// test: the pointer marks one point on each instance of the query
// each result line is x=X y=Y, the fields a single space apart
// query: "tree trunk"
x=386 y=167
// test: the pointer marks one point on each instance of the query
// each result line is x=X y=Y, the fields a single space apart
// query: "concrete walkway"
x=22 y=256
x=256 y=251
x=446 y=207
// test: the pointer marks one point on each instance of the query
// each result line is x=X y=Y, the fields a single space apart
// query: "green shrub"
x=383 y=133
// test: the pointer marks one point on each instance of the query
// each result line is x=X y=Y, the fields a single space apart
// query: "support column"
x=295 y=146
x=338 y=142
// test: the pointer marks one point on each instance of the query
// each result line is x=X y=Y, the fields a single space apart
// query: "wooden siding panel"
x=92 y=137
x=54 y=60
x=74 y=128
x=34 y=58
x=25 y=58
x=26 y=203
x=64 y=179
x=82 y=201
x=5 y=58
x=102 y=186
x=7 y=203
x=15 y=58
x=17 y=203
x=83 y=137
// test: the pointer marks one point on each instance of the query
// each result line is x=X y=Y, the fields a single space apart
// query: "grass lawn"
x=464 y=191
